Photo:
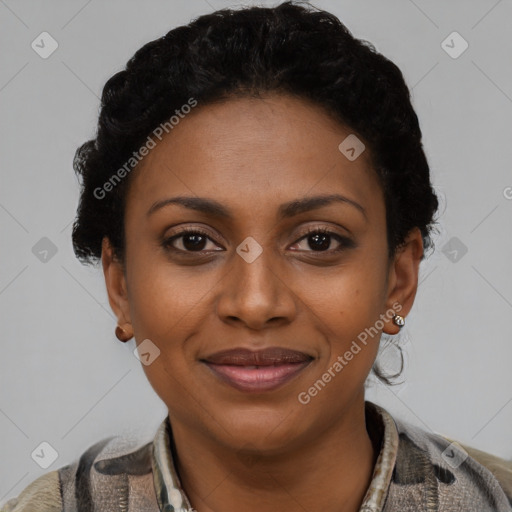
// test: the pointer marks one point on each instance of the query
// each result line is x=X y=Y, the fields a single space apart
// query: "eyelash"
x=345 y=242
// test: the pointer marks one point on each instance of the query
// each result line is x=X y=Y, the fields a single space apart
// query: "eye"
x=320 y=239
x=194 y=240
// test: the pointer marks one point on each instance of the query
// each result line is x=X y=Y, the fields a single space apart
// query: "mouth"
x=257 y=371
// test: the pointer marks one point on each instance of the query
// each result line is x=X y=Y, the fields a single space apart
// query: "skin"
x=239 y=451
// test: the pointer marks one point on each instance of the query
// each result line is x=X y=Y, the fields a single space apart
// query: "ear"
x=115 y=281
x=403 y=278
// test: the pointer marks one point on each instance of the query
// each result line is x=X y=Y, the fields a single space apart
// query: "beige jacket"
x=415 y=471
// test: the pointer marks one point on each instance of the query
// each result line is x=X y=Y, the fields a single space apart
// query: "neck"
x=331 y=472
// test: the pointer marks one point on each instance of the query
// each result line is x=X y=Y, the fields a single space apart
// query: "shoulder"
x=448 y=471
x=499 y=467
x=42 y=495
x=108 y=473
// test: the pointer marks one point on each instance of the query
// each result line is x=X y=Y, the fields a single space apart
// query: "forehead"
x=250 y=153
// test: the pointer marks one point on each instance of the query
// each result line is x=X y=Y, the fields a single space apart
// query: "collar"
x=383 y=430
x=381 y=427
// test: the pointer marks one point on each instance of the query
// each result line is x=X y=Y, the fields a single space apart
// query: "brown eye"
x=192 y=240
x=320 y=240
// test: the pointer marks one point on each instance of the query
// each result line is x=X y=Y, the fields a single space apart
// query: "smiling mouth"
x=257 y=371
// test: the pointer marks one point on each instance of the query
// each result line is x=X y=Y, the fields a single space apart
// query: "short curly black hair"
x=294 y=48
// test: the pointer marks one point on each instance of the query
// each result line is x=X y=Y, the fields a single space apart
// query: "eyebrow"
x=286 y=210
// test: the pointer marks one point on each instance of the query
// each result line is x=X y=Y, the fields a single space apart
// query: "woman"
x=259 y=198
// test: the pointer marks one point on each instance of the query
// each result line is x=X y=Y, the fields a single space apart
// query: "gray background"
x=66 y=380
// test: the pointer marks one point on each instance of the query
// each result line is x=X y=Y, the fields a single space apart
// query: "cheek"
x=345 y=309
x=350 y=346
x=168 y=306
x=164 y=309
x=347 y=299
x=165 y=299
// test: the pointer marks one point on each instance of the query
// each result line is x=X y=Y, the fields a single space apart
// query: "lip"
x=257 y=371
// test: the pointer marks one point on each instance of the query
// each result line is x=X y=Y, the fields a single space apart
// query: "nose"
x=257 y=293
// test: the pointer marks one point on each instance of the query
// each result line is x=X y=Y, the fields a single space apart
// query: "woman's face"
x=253 y=278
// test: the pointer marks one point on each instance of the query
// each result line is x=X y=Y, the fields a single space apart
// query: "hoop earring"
x=399 y=320
x=122 y=335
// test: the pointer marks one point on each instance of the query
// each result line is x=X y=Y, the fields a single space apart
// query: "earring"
x=399 y=320
x=122 y=335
